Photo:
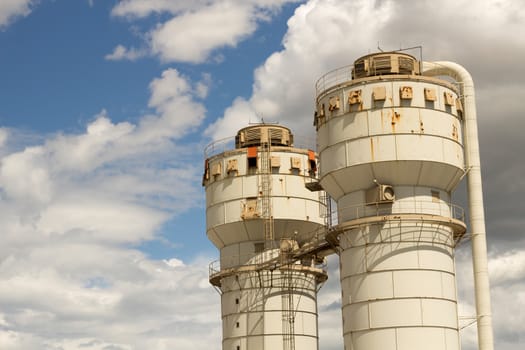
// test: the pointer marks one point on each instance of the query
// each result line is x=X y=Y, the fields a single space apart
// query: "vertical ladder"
x=327 y=201
x=265 y=191
x=287 y=302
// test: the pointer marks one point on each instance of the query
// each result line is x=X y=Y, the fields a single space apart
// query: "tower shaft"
x=391 y=149
x=258 y=214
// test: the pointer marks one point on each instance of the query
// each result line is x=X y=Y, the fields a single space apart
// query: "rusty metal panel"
x=405 y=92
x=379 y=93
x=251 y=152
x=430 y=94
x=334 y=103
x=354 y=97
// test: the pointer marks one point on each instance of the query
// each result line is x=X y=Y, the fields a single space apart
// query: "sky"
x=105 y=110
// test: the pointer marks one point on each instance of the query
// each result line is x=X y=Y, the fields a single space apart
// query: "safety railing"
x=333 y=78
x=363 y=210
x=269 y=258
x=228 y=144
x=219 y=146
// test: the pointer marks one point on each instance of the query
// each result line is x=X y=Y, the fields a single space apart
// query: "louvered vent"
x=406 y=65
x=385 y=64
x=253 y=136
x=382 y=65
x=276 y=134
x=259 y=134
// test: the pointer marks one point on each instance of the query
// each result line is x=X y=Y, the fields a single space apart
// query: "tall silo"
x=259 y=215
x=391 y=150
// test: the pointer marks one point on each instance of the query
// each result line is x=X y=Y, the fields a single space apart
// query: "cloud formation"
x=91 y=181
x=73 y=207
x=12 y=9
x=3 y=137
x=324 y=35
x=122 y=53
x=196 y=29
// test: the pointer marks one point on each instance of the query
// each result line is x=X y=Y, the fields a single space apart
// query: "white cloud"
x=110 y=183
x=108 y=296
x=72 y=207
x=25 y=175
x=508 y=268
x=143 y=8
x=122 y=53
x=174 y=262
x=507 y=286
x=240 y=113
x=4 y=134
x=202 y=87
x=11 y=9
x=100 y=218
x=319 y=38
x=326 y=34
x=178 y=112
x=197 y=28
x=65 y=254
x=191 y=37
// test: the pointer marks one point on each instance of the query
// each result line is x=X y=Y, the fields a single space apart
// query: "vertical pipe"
x=475 y=198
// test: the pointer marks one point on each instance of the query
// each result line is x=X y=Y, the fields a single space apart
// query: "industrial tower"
x=260 y=215
x=393 y=144
x=395 y=137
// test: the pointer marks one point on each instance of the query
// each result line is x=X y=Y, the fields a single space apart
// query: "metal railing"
x=266 y=258
x=333 y=78
x=219 y=146
x=363 y=210
x=343 y=74
x=228 y=144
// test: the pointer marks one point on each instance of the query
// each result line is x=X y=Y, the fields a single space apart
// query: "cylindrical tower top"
x=385 y=63
x=256 y=135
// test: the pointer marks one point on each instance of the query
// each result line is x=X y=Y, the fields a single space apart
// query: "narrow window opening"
x=312 y=163
x=252 y=160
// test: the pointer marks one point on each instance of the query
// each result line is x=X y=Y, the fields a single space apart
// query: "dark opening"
x=252 y=162
x=313 y=165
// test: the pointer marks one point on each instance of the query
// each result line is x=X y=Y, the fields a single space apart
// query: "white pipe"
x=475 y=197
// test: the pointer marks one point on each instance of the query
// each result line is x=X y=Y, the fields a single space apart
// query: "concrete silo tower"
x=259 y=215
x=391 y=149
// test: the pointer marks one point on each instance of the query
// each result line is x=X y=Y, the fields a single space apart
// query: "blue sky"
x=57 y=57
x=106 y=107
x=62 y=66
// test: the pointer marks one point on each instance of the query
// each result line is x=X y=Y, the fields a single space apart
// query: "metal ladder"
x=265 y=192
x=286 y=275
x=288 y=314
